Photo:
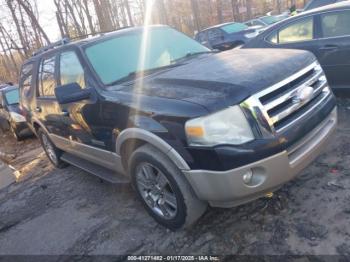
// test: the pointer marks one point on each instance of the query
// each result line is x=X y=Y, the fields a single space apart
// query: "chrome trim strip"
x=260 y=111
x=291 y=93
x=96 y=155
x=287 y=80
x=291 y=109
x=327 y=92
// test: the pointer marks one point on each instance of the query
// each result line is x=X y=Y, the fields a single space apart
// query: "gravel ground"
x=68 y=211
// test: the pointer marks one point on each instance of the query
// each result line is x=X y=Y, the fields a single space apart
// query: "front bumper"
x=227 y=188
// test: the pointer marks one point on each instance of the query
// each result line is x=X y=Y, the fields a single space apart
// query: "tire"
x=14 y=132
x=163 y=189
x=52 y=152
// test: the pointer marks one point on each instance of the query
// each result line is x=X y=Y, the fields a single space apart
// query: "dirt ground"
x=68 y=211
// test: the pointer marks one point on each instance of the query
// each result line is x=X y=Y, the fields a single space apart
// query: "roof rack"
x=97 y=34
x=61 y=42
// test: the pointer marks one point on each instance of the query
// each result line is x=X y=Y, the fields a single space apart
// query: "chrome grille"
x=288 y=101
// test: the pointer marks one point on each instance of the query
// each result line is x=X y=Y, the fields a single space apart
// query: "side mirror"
x=70 y=93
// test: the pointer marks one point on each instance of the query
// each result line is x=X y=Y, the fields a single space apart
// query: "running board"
x=102 y=172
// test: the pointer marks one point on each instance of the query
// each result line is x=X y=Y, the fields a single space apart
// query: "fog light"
x=247 y=177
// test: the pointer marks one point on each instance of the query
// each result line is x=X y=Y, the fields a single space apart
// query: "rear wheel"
x=162 y=188
x=52 y=152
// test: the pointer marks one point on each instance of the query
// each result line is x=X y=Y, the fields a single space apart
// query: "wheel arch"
x=131 y=138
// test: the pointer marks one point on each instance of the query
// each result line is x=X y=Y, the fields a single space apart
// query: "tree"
x=196 y=16
x=219 y=11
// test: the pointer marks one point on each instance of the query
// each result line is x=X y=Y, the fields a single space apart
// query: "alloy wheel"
x=156 y=190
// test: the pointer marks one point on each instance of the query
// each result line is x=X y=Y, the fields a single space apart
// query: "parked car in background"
x=266 y=21
x=11 y=114
x=226 y=36
x=186 y=126
x=312 y=4
x=324 y=31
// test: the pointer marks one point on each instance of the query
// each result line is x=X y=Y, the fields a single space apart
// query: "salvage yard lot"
x=68 y=211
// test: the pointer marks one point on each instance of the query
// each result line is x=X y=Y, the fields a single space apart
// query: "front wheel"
x=163 y=189
x=52 y=152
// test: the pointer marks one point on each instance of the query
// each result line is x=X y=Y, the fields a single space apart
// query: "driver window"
x=71 y=70
x=214 y=34
x=303 y=30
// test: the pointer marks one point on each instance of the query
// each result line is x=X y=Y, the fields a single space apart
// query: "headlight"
x=17 y=117
x=229 y=126
x=251 y=35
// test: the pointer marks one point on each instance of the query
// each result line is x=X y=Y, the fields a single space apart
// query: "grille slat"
x=283 y=97
x=290 y=100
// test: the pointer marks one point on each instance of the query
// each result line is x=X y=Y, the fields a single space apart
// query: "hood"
x=220 y=80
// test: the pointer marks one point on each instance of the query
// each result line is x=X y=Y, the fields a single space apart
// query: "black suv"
x=188 y=127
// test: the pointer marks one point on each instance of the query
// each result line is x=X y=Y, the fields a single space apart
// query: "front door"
x=47 y=110
x=334 y=49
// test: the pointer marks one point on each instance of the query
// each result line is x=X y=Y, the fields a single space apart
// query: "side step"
x=103 y=173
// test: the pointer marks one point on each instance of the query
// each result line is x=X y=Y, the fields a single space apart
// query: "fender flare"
x=36 y=121
x=157 y=142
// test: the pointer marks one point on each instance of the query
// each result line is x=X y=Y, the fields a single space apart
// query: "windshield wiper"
x=190 y=55
x=135 y=74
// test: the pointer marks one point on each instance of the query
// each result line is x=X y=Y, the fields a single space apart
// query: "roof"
x=331 y=7
x=336 y=6
x=8 y=88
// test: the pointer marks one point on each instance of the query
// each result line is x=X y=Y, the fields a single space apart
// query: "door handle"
x=65 y=113
x=38 y=109
x=329 y=47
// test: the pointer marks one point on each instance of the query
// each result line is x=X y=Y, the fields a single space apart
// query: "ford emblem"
x=303 y=95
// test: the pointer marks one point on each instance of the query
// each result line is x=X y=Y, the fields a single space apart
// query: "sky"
x=47 y=18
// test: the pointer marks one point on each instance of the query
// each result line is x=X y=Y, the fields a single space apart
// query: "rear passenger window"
x=71 y=70
x=214 y=34
x=336 y=24
x=302 y=30
x=297 y=32
x=47 y=81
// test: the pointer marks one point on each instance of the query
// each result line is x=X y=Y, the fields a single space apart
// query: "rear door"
x=334 y=49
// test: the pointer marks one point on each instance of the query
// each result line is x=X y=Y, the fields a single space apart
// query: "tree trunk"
x=18 y=27
x=195 y=12
x=128 y=11
x=104 y=19
x=89 y=17
x=64 y=27
x=219 y=11
x=249 y=9
x=13 y=60
x=26 y=6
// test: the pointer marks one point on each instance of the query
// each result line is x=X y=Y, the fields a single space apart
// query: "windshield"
x=234 y=28
x=12 y=97
x=118 y=57
x=269 y=20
